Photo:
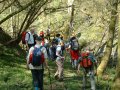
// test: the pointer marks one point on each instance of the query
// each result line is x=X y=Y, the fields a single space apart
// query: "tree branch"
x=16 y=12
x=7 y=6
x=3 y=1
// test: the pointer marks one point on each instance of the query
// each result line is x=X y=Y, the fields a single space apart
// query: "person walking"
x=74 y=51
x=35 y=62
x=59 y=62
x=29 y=38
x=86 y=62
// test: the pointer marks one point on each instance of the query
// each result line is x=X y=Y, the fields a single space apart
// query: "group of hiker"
x=40 y=49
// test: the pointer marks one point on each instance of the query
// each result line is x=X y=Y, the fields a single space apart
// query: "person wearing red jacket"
x=42 y=36
x=74 y=51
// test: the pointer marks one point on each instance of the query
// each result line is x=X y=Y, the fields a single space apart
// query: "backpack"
x=74 y=44
x=58 y=39
x=86 y=62
x=52 y=53
x=36 y=57
x=23 y=37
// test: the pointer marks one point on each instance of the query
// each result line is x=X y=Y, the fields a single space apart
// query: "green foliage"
x=91 y=19
x=15 y=76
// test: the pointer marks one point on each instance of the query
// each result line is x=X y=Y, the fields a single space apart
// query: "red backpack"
x=23 y=37
x=85 y=62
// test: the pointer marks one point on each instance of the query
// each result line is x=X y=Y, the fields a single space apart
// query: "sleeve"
x=58 y=51
x=27 y=37
x=45 y=52
x=30 y=51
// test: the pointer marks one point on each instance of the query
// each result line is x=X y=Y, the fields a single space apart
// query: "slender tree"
x=109 y=45
x=116 y=85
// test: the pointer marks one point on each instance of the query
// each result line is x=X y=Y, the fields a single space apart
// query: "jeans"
x=37 y=76
x=74 y=63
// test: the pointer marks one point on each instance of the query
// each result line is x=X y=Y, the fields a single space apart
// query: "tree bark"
x=106 y=57
x=116 y=85
x=69 y=26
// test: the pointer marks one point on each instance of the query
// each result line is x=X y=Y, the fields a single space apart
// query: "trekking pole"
x=50 y=79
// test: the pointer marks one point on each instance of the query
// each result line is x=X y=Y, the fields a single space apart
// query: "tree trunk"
x=4 y=37
x=116 y=85
x=112 y=25
x=70 y=3
x=69 y=29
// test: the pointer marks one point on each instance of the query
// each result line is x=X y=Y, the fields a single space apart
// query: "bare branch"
x=7 y=7
x=18 y=4
x=3 y=1
x=16 y=12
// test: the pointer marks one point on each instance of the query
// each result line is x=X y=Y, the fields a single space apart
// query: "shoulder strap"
x=39 y=48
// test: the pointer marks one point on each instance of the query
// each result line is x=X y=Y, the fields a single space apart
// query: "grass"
x=15 y=76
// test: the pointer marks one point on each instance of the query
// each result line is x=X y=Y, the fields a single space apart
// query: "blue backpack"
x=37 y=59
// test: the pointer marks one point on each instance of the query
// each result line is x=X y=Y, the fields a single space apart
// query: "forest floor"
x=15 y=76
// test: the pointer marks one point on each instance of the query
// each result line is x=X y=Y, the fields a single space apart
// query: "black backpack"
x=74 y=44
x=52 y=53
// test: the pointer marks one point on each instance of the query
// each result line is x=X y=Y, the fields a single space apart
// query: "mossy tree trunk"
x=106 y=57
x=116 y=85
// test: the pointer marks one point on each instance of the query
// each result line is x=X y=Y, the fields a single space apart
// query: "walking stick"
x=50 y=79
